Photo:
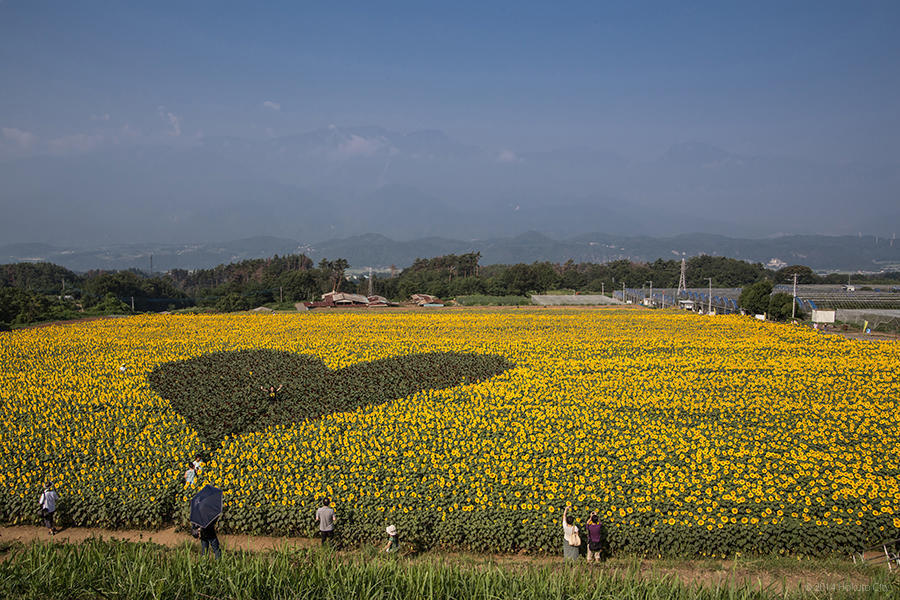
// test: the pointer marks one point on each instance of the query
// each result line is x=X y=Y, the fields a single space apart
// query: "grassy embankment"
x=98 y=569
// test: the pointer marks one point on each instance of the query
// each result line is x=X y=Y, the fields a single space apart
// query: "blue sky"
x=806 y=79
x=741 y=118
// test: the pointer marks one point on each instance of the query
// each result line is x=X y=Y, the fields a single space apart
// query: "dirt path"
x=166 y=537
x=771 y=575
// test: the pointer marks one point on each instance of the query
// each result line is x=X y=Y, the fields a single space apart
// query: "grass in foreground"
x=103 y=569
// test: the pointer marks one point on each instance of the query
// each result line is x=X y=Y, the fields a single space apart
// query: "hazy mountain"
x=338 y=182
x=379 y=251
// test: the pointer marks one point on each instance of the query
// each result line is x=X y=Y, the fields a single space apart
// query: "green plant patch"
x=229 y=393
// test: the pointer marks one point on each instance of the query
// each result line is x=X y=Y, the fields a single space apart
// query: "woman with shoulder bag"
x=571 y=539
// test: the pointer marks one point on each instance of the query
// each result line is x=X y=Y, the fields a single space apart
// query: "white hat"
x=391 y=530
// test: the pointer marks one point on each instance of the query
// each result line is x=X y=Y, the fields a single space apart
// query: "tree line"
x=31 y=292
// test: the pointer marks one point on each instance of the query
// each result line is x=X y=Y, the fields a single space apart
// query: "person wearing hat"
x=48 y=507
x=393 y=543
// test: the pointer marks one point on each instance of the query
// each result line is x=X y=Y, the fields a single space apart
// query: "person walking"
x=571 y=539
x=209 y=539
x=393 y=543
x=595 y=537
x=326 y=519
x=47 y=502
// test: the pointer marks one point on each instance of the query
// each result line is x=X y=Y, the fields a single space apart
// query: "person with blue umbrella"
x=206 y=508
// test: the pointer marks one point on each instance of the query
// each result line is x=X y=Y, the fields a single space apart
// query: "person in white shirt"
x=190 y=474
x=48 y=507
x=570 y=533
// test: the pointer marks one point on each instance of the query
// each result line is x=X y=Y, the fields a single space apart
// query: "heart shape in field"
x=229 y=393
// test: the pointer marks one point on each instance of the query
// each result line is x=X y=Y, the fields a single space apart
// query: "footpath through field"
x=778 y=575
x=170 y=537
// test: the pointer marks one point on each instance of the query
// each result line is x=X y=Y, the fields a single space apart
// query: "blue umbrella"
x=206 y=506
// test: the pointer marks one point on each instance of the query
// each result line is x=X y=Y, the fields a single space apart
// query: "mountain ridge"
x=820 y=252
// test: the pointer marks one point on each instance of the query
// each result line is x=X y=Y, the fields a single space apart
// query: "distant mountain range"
x=845 y=253
x=339 y=182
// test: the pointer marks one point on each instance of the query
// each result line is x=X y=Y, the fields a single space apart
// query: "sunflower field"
x=689 y=435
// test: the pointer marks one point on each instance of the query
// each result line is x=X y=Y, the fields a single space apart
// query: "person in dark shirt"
x=208 y=539
x=595 y=538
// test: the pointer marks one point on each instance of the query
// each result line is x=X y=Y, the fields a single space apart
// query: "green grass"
x=103 y=569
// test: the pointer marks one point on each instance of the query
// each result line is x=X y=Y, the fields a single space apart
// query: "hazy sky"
x=742 y=118
x=806 y=79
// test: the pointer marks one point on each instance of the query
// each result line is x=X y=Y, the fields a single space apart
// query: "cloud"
x=103 y=117
x=22 y=139
x=127 y=131
x=79 y=142
x=508 y=156
x=172 y=119
x=357 y=145
x=271 y=105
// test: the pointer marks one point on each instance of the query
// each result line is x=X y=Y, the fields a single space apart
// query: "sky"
x=807 y=81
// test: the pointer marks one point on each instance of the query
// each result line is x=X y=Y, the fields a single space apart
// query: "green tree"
x=110 y=305
x=754 y=298
x=234 y=302
x=299 y=286
x=780 y=306
x=804 y=275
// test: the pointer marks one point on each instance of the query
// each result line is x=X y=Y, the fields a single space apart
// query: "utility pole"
x=132 y=304
x=280 y=294
x=709 y=301
x=794 y=303
x=371 y=288
x=623 y=292
x=602 y=293
x=151 y=264
x=651 y=294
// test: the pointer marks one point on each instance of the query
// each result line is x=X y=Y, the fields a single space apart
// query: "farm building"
x=346 y=300
x=426 y=300
x=339 y=300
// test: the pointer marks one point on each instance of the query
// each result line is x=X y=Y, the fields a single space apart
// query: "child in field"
x=190 y=474
x=393 y=543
